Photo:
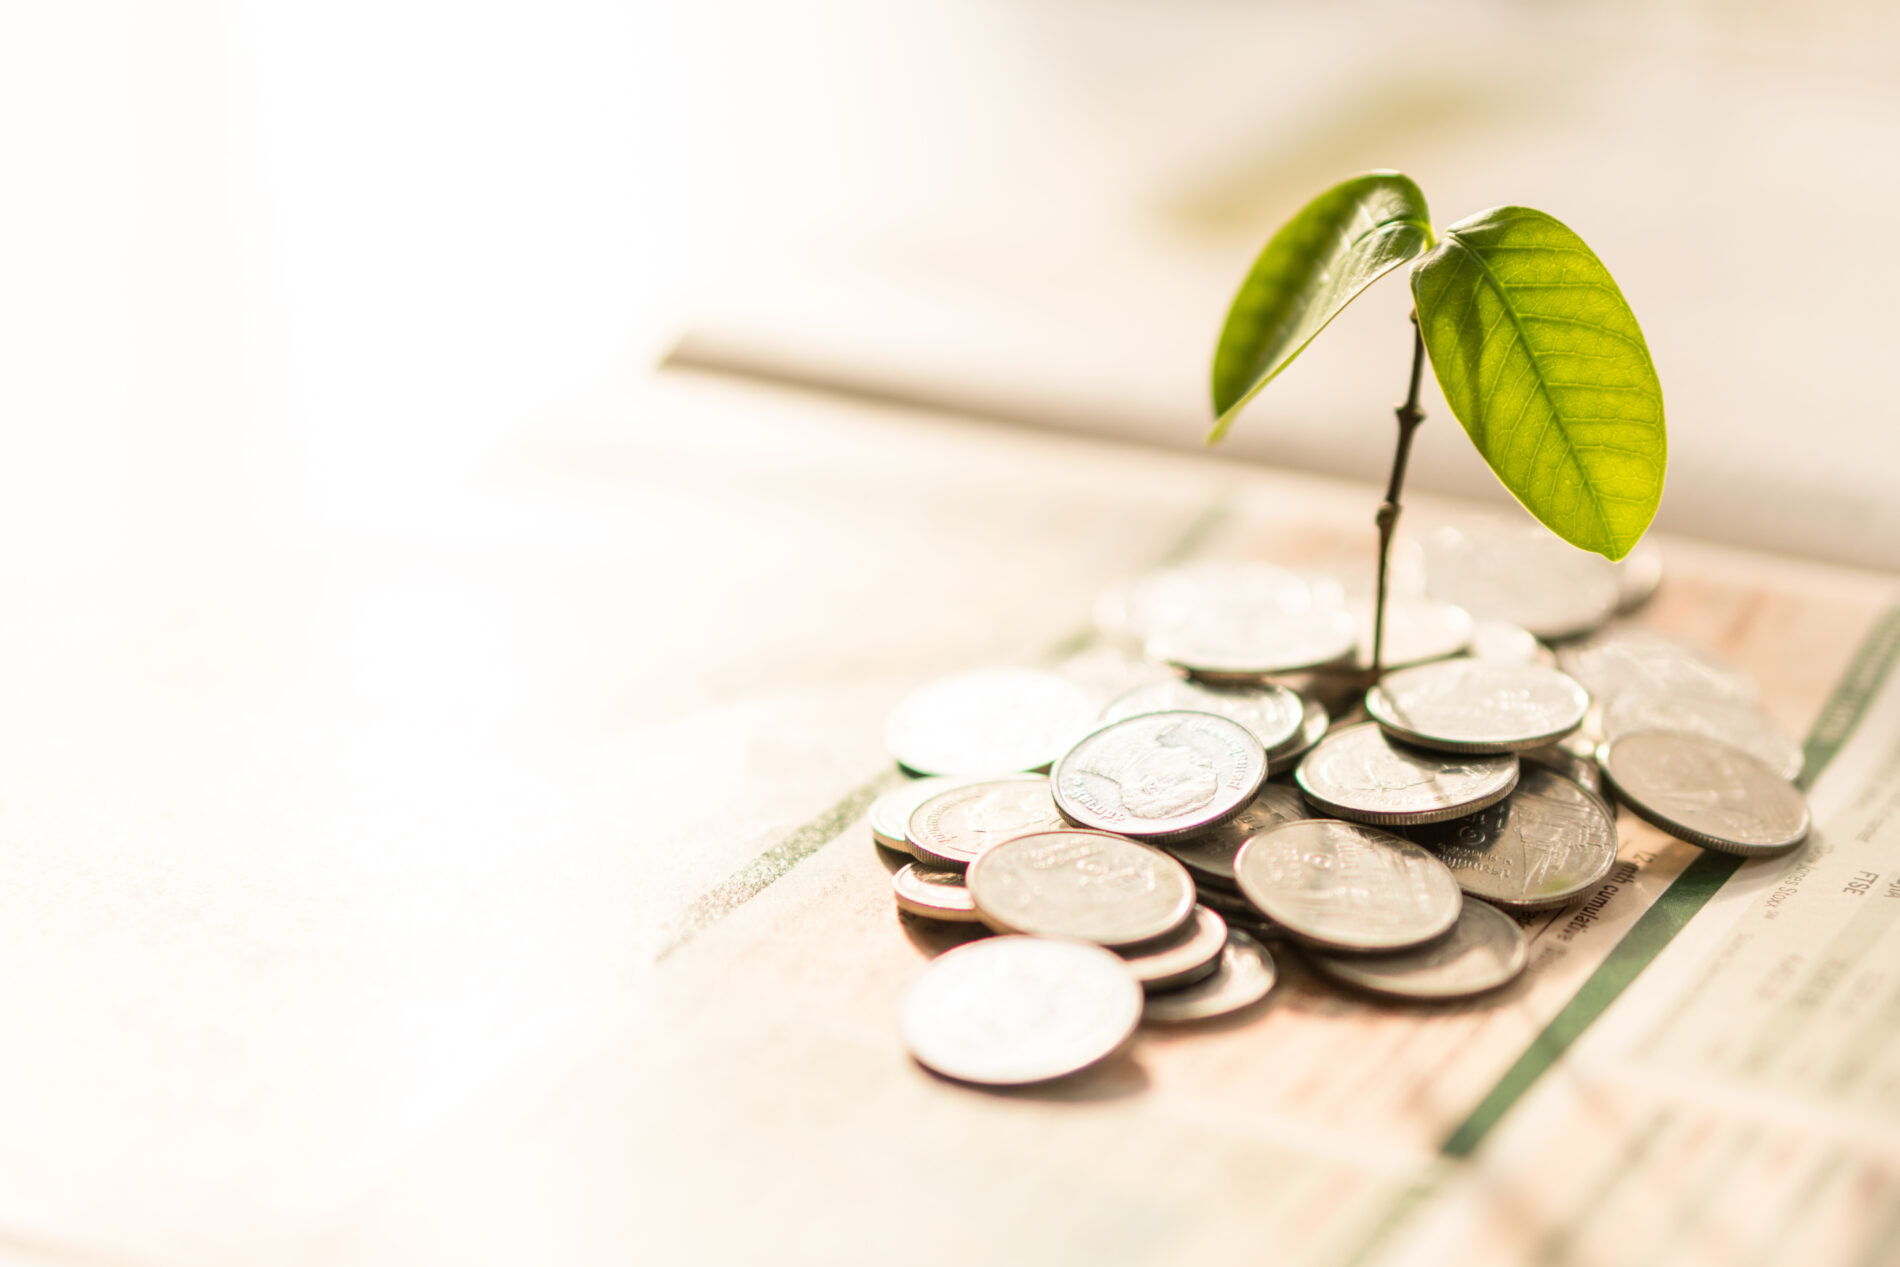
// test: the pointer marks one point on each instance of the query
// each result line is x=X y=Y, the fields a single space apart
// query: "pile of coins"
x=1237 y=789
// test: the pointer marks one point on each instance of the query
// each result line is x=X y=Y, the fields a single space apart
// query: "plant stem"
x=1409 y=417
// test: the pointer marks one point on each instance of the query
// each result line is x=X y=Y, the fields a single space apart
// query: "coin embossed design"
x=1181 y=958
x=1348 y=886
x=987 y=721
x=1549 y=842
x=1478 y=705
x=1089 y=885
x=1008 y=1011
x=1257 y=646
x=1159 y=774
x=1484 y=950
x=1731 y=722
x=1359 y=774
x=932 y=892
x=953 y=827
x=890 y=813
x=1210 y=855
x=1273 y=713
x=1244 y=976
x=1706 y=792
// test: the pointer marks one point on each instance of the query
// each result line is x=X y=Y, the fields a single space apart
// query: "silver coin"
x=1628 y=658
x=1314 y=720
x=1706 y=792
x=1089 y=885
x=1484 y=950
x=1013 y=1010
x=1417 y=631
x=1549 y=842
x=1359 y=774
x=1243 y=977
x=933 y=893
x=1347 y=886
x=987 y=721
x=1181 y=958
x=1159 y=774
x=1210 y=855
x=889 y=815
x=952 y=828
x=1272 y=713
x=1736 y=724
x=1528 y=578
x=1196 y=593
x=1478 y=705
x=1511 y=644
x=1638 y=574
x=1250 y=648
x=1575 y=757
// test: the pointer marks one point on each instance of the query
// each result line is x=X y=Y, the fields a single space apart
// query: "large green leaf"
x=1339 y=244
x=1543 y=362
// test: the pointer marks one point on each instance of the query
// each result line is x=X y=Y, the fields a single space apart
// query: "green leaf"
x=1319 y=261
x=1542 y=361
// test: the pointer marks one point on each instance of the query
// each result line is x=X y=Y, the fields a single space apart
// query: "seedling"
x=1538 y=354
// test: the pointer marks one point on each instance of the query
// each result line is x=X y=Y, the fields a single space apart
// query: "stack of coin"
x=1387 y=841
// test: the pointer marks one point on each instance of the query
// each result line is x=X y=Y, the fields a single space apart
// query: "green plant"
x=1538 y=354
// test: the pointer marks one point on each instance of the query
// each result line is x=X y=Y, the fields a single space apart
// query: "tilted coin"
x=1196 y=593
x=1273 y=713
x=1547 y=843
x=1736 y=724
x=1013 y=1010
x=987 y=721
x=1478 y=705
x=1243 y=976
x=953 y=827
x=1484 y=950
x=1159 y=774
x=1240 y=913
x=1575 y=757
x=1347 y=886
x=1358 y=773
x=1210 y=854
x=1417 y=630
x=1256 y=647
x=1528 y=578
x=1182 y=957
x=1638 y=573
x=1314 y=720
x=933 y=893
x=1630 y=658
x=1089 y=885
x=1706 y=792
x=1513 y=644
x=890 y=813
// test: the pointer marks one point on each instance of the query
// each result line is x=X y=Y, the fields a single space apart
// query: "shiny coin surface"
x=1736 y=724
x=953 y=827
x=1638 y=573
x=1012 y=1010
x=1547 y=843
x=933 y=893
x=1417 y=630
x=1478 y=705
x=1706 y=792
x=889 y=815
x=1159 y=774
x=1314 y=720
x=1243 y=977
x=987 y=721
x=1182 y=957
x=1575 y=757
x=1273 y=713
x=1628 y=658
x=1255 y=647
x=1359 y=774
x=1088 y=885
x=1196 y=593
x=1512 y=644
x=1484 y=950
x=1210 y=854
x=1527 y=578
x=1347 y=886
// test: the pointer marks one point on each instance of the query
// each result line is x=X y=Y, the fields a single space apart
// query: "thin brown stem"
x=1388 y=518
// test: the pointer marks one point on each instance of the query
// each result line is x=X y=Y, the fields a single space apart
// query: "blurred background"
x=283 y=266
